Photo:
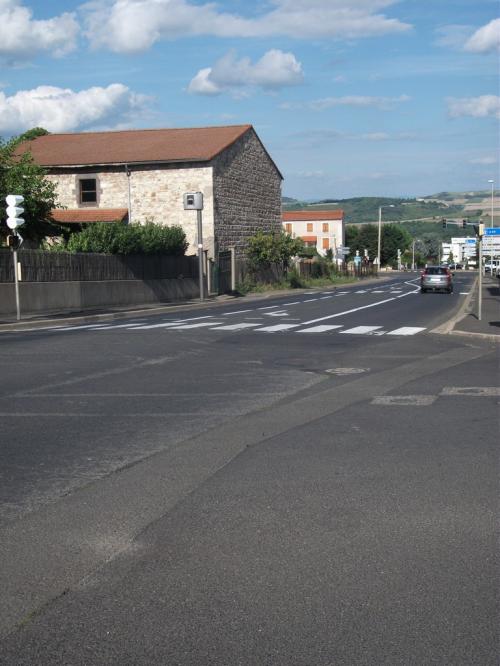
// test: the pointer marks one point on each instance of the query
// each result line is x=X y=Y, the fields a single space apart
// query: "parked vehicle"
x=492 y=266
x=436 y=278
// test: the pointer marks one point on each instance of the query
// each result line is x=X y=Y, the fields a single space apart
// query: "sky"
x=350 y=97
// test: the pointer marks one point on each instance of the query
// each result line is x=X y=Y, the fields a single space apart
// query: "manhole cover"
x=347 y=371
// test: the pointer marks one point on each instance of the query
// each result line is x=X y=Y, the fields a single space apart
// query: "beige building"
x=323 y=229
x=141 y=175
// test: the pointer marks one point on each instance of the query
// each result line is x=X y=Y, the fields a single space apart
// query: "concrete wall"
x=46 y=297
x=247 y=193
x=156 y=193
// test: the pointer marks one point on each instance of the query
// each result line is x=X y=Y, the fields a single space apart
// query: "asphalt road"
x=292 y=480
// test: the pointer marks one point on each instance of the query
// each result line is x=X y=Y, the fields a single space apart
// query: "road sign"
x=492 y=231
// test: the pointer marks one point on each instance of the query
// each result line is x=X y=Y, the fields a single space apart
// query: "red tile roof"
x=82 y=215
x=132 y=146
x=311 y=216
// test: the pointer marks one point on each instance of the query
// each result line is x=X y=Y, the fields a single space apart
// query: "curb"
x=448 y=328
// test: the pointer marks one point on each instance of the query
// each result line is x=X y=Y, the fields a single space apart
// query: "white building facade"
x=323 y=230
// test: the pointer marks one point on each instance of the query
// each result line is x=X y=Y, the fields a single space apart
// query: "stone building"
x=141 y=175
x=322 y=229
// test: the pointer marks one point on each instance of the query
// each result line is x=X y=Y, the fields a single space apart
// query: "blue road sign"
x=492 y=231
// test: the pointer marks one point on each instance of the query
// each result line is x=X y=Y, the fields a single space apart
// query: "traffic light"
x=13 y=242
x=443 y=221
x=464 y=224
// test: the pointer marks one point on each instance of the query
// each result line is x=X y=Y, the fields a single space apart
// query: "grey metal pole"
x=16 y=283
x=200 y=254
x=480 y=288
x=233 y=268
x=379 y=235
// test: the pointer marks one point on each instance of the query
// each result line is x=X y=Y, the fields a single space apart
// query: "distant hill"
x=365 y=209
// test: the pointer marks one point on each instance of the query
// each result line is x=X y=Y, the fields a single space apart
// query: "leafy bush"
x=295 y=280
x=267 y=249
x=118 y=238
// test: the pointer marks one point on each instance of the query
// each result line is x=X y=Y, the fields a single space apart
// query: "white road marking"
x=294 y=303
x=276 y=313
x=226 y=314
x=319 y=329
x=269 y=307
x=310 y=300
x=201 y=324
x=479 y=391
x=464 y=293
x=73 y=328
x=398 y=400
x=361 y=330
x=324 y=298
x=363 y=307
x=234 y=327
x=406 y=330
x=173 y=322
x=108 y=327
x=378 y=291
x=360 y=291
x=341 y=293
x=278 y=327
x=347 y=371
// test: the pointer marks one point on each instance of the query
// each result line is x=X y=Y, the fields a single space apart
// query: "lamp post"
x=380 y=231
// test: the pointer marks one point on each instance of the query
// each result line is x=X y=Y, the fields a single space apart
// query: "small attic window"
x=88 y=190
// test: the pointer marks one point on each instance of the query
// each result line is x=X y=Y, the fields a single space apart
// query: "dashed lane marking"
x=401 y=400
x=470 y=391
x=226 y=314
x=201 y=324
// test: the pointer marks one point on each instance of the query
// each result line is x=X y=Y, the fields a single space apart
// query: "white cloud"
x=477 y=107
x=485 y=39
x=21 y=36
x=63 y=110
x=273 y=71
x=384 y=103
x=135 y=25
x=484 y=160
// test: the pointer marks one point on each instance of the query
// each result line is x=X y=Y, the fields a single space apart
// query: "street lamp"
x=380 y=231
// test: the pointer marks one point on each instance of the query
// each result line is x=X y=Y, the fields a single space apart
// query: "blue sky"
x=350 y=97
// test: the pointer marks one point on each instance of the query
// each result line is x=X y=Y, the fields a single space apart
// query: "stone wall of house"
x=156 y=193
x=247 y=193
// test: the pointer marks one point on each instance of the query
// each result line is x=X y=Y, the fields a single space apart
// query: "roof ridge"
x=146 y=129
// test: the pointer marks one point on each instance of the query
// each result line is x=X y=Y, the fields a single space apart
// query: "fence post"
x=233 y=268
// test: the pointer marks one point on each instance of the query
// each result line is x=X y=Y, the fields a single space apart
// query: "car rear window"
x=436 y=270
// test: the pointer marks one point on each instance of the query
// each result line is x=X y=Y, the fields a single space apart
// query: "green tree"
x=20 y=175
x=267 y=249
x=394 y=237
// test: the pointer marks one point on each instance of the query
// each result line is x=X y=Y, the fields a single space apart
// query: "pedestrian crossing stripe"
x=320 y=329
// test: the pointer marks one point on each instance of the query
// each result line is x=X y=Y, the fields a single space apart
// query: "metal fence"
x=42 y=266
x=312 y=269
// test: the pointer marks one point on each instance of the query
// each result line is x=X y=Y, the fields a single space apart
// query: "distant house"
x=140 y=175
x=323 y=229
